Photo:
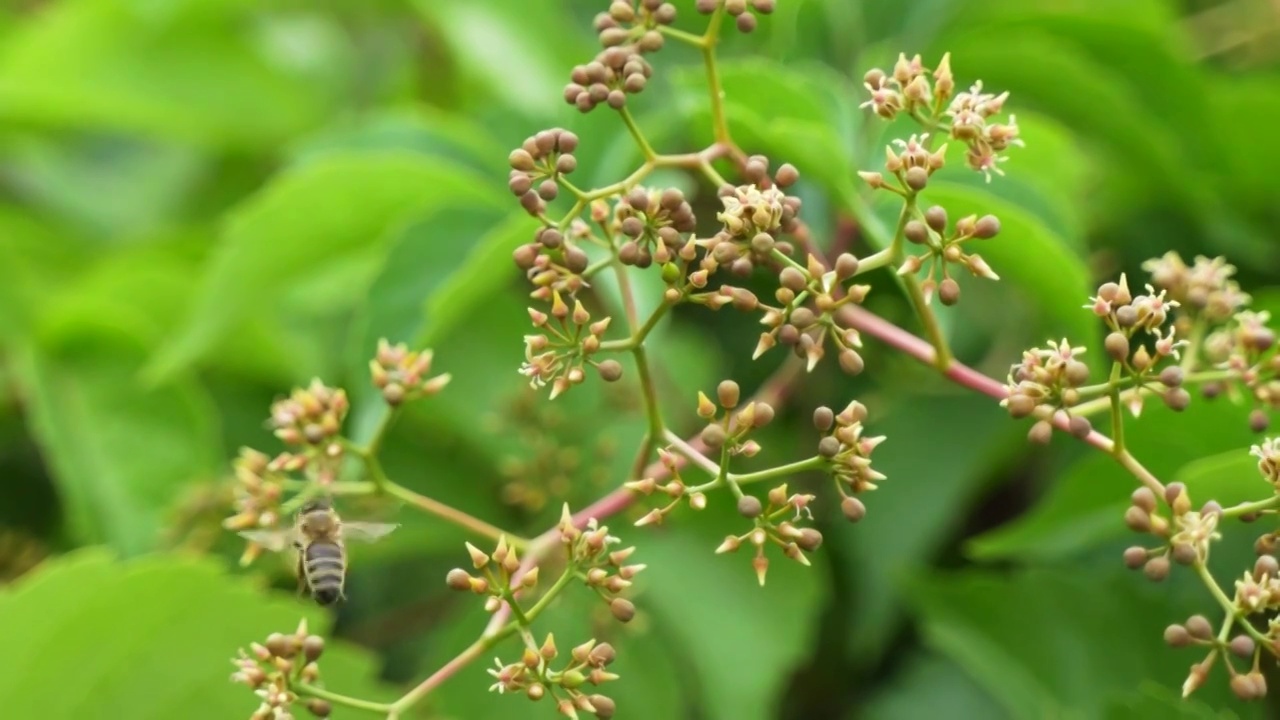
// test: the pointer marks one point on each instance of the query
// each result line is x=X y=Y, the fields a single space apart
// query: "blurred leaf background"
x=206 y=202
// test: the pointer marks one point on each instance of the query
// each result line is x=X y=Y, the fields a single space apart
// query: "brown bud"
x=713 y=435
x=1184 y=553
x=846 y=266
x=1157 y=568
x=853 y=509
x=1135 y=557
x=1117 y=346
x=312 y=648
x=1041 y=432
x=728 y=394
x=1258 y=420
x=1171 y=376
x=610 y=370
x=917 y=178
x=604 y=706
x=1177 y=399
x=1242 y=646
x=986 y=227
x=949 y=291
x=936 y=217
x=1137 y=520
x=823 y=418
x=1177 y=636
x=749 y=506
x=792 y=279
x=1266 y=566
x=809 y=540
x=279 y=645
x=851 y=362
x=319 y=708
x=915 y=232
x=1020 y=406
x=1144 y=498
x=622 y=609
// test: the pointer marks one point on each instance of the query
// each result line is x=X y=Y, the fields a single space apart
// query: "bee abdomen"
x=325 y=571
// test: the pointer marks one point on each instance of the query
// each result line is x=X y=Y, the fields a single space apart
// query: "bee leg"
x=302 y=578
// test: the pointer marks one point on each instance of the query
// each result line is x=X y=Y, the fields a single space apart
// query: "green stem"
x=875 y=261
x=649 y=390
x=1141 y=473
x=1270 y=503
x=773 y=473
x=478 y=648
x=638 y=136
x=637 y=339
x=694 y=40
x=942 y=352
x=452 y=515
x=321 y=693
x=1117 y=409
x=709 y=41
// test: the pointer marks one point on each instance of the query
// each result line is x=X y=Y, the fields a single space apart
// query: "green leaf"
x=307 y=218
x=1085 y=505
x=427 y=131
x=522 y=58
x=200 y=75
x=1042 y=643
x=118 y=452
x=740 y=641
x=87 y=636
x=929 y=685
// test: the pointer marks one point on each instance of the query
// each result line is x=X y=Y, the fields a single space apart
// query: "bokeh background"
x=204 y=203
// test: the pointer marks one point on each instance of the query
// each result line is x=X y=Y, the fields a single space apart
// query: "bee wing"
x=366 y=531
x=274 y=540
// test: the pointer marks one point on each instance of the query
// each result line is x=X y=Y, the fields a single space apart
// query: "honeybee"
x=319 y=537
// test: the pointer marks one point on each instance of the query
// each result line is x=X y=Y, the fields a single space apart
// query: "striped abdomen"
x=325 y=567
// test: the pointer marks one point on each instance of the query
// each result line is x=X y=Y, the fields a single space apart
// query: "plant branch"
x=317 y=692
x=452 y=515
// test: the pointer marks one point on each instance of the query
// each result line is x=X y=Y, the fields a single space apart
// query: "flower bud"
x=749 y=506
x=622 y=609
x=853 y=509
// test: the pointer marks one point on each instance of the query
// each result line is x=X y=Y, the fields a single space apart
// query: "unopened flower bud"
x=622 y=609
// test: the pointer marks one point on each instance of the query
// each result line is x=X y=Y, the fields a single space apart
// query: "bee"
x=319 y=537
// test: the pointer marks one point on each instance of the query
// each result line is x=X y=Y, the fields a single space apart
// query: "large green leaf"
x=87 y=636
x=340 y=205
x=120 y=453
x=1043 y=643
x=194 y=74
x=929 y=685
x=1086 y=505
x=522 y=58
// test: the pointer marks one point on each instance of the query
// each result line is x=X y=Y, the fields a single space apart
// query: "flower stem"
x=316 y=692
x=1255 y=506
x=638 y=136
x=1117 y=410
x=709 y=41
x=457 y=517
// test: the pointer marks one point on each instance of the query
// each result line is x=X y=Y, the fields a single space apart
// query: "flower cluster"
x=498 y=575
x=1205 y=289
x=740 y=11
x=675 y=489
x=806 y=320
x=754 y=218
x=537 y=166
x=729 y=432
x=775 y=523
x=310 y=416
x=848 y=454
x=1046 y=382
x=625 y=23
x=652 y=222
x=929 y=97
x=534 y=677
x=558 y=356
x=274 y=668
x=943 y=249
x=606 y=571
x=613 y=75
x=401 y=374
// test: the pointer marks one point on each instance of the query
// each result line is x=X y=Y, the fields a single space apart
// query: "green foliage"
x=89 y=636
